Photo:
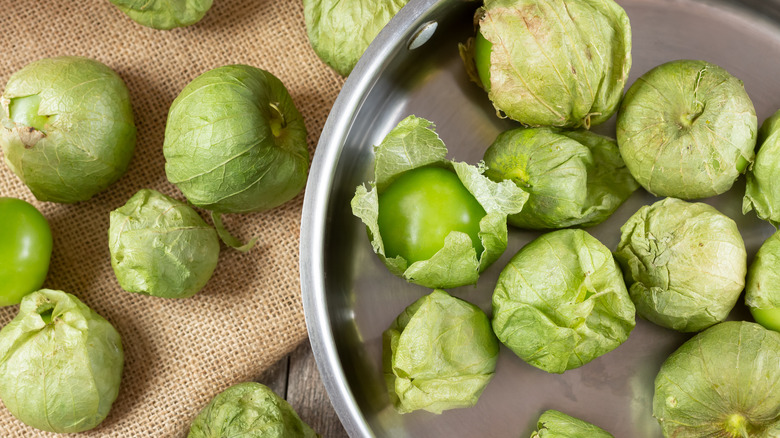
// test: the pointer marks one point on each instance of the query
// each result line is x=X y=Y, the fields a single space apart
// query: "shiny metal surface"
x=349 y=296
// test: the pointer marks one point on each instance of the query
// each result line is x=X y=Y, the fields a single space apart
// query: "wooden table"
x=297 y=380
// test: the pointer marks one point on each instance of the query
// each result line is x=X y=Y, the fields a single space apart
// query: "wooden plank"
x=307 y=395
x=276 y=377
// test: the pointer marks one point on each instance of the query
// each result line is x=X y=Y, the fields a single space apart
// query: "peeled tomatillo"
x=419 y=209
x=25 y=250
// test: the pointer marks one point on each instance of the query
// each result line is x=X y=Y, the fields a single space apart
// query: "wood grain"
x=296 y=379
x=276 y=377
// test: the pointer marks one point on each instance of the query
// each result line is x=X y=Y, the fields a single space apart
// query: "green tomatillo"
x=723 y=382
x=762 y=289
x=440 y=353
x=561 y=302
x=235 y=143
x=419 y=209
x=164 y=14
x=556 y=424
x=558 y=63
x=25 y=250
x=572 y=177
x=249 y=410
x=762 y=193
x=60 y=363
x=434 y=222
x=67 y=127
x=687 y=129
x=684 y=263
x=161 y=247
x=341 y=30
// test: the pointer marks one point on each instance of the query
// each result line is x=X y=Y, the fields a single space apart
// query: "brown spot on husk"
x=29 y=135
x=531 y=18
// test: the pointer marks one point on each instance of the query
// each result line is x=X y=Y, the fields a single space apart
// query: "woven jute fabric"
x=178 y=353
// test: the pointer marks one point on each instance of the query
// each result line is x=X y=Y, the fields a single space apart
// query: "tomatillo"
x=559 y=63
x=482 y=51
x=25 y=250
x=762 y=287
x=769 y=317
x=434 y=222
x=420 y=208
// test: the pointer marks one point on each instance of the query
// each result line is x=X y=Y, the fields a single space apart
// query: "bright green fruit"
x=419 y=209
x=25 y=250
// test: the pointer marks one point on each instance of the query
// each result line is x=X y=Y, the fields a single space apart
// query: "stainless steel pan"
x=349 y=296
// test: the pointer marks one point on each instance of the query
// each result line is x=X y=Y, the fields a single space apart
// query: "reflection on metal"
x=349 y=296
x=422 y=36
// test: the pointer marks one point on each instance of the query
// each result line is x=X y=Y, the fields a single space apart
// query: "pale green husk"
x=687 y=129
x=413 y=144
x=561 y=302
x=59 y=375
x=234 y=141
x=249 y=410
x=439 y=354
x=762 y=192
x=89 y=138
x=762 y=290
x=556 y=62
x=724 y=382
x=341 y=30
x=161 y=247
x=572 y=177
x=555 y=424
x=164 y=14
x=684 y=263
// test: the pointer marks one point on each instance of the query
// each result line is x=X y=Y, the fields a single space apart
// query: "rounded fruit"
x=571 y=177
x=420 y=208
x=684 y=263
x=60 y=363
x=161 y=247
x=25 y=250
x=518 y=51
x=561 y=302
x=413 y=144
x=723 y=382
x=762 y=287
x=340 y=31
x=249 y=410
x=439 y=354
x=687 y=129
x=556 y=424
x=164 y=14
x=762 y=193
x=67 y=127
x=234 y=141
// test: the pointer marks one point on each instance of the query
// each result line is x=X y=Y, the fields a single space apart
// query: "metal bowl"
x=350 y=298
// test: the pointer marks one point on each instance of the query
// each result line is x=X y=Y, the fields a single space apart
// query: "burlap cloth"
x=178 y=353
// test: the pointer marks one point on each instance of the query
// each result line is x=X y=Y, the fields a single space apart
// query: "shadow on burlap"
x=178 y=353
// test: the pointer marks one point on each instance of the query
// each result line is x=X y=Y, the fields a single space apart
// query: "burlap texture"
x=178 y=353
